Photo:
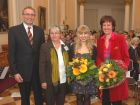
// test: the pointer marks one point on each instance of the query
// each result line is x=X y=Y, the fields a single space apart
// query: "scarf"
x=54 y=62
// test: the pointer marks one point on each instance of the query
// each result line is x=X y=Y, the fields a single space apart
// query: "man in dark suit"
x=24 y=46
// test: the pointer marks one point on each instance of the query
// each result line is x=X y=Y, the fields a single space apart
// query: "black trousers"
x=135 y=73
x=55 y=95
x=83 y=99
x=25 y=90
x=106 y=99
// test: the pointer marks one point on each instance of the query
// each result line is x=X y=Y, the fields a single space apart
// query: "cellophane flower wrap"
x=80 y=69
x=110 y=73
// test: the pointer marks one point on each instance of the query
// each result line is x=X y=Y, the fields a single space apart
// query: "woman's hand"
x=121 y=64
x=44 y=85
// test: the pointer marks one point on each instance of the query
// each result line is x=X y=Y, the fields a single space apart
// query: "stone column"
x=63 y=7
x=82 y=2
x=133 y=14
x=52 y=13
x=127 y=15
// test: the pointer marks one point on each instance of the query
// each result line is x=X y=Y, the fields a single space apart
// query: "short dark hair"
x=28 y=7
x=107 y=18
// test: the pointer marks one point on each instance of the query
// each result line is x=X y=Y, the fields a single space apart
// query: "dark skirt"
x=84 y=87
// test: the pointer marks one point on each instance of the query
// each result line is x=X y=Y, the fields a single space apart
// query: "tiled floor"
x=10 y=97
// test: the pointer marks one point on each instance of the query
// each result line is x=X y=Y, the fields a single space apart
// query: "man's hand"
x=44 y=85
x=18 y=78
x=138 y=61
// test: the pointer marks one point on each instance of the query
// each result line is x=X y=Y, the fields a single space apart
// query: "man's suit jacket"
x=134 y=57
x=24 y=58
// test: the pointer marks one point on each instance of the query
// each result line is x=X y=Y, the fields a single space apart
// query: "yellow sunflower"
x=84 y=61
x=83 y=68
x=109 y=65
x=76 y=60
x=105 y=69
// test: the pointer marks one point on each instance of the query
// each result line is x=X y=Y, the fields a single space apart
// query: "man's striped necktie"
x=30 y=36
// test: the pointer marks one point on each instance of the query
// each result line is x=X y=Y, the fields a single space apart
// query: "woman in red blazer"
x=112 y=46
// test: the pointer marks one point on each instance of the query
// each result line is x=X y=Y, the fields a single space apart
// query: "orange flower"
x=101 y=78
x=76 y=71
x=112 y=74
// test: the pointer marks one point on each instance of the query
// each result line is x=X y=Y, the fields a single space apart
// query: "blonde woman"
x=83 y=47
x=52 y=65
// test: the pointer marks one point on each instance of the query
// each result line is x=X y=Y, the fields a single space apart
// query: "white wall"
x=94 y=12
x=91 y=18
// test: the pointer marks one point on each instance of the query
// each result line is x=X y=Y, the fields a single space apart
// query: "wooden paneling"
x=4 y=47
x=3 y=59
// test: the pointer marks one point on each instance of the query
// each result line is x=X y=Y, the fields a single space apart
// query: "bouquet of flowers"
x=80 y=69
x=110 y=74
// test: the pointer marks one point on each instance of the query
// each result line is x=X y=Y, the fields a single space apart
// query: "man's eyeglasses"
x=27 y=14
